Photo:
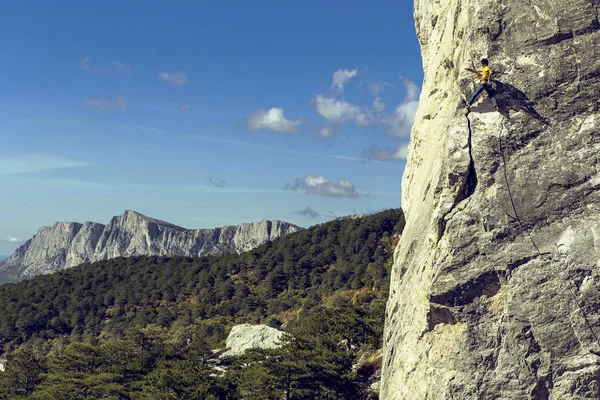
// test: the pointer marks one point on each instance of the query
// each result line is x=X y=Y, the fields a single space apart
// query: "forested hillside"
x=326 y=286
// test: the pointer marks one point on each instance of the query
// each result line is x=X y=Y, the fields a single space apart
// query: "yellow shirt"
x=486 y=72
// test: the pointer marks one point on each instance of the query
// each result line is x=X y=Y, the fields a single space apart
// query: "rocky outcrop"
x=494 y=291
x=66 y=244
x=245 y=336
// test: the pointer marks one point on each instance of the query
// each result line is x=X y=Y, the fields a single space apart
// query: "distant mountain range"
x=3 y=257
x=66 y=244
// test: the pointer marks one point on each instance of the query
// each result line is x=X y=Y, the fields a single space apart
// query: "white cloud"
x=378 y=104
x=325 y=133
x=318 y=185
x=29 y=163
x=340 y=111
x=183 y=106
x=272 y=120
x=178 y=78
x=374 y=152
x=86 y=65
x=412 y=90
x=340 y=77
x=400 y=122
x=12 y=240
x=105 y=104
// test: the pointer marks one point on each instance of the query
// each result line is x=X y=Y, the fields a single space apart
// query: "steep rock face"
x=494 y=291
x=67 y=244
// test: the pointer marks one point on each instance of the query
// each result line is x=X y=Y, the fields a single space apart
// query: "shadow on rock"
x=510 y=98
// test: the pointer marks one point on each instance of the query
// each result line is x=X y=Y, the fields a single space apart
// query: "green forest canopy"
x=101 y=300
x=144 y=327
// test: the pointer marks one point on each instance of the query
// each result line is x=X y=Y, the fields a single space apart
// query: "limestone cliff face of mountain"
x=494 y=291
x=66 y=244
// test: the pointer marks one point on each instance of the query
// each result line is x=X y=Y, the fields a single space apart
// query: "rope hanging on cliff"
x=510 y=196
x=572 y=286
x=573 y=290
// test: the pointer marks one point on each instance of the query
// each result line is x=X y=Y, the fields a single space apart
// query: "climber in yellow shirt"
x=484 y=74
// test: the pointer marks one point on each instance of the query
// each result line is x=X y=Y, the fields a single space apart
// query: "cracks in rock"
x=487 y=284
x=468 y=186
x=556 y=38
x=439 y=314
x=471 y=181
x=560 y=37
x=543 y=384
x=540 y=391
x=511 y=266
x=570 y=185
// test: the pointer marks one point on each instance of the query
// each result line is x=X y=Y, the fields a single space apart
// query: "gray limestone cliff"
x=494 y=291
x=66 y=244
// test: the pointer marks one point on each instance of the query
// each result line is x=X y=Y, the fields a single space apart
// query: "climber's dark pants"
x=480 y=88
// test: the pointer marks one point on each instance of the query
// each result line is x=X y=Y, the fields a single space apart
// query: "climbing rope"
x=573 y=290
x=510 y=196
x=572 y=286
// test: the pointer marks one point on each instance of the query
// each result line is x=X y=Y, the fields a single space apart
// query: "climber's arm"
x=475 y=71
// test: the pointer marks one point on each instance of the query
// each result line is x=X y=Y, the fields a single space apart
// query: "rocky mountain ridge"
x=494 y=290
x=66 y=244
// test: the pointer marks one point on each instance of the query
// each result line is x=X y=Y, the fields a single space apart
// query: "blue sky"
x=203 y=113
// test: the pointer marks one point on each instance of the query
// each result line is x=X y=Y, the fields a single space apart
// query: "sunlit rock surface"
x=486 y=303
x=66 y=244
x=246 y=336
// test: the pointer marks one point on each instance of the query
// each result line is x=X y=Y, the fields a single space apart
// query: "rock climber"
x=484 y=74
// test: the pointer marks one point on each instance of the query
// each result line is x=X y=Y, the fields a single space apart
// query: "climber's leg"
x=476 y=94
x=490 y=93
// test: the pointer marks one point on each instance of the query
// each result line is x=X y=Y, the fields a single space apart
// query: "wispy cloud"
x=337 y=111
x=318 y=185
x=84 y=64
x=310 y=212
x=12 y=240
x=29 y=163
x=400 y=122
x=183 y=106
x=216 y=183
x=119 y=104
x=119 y=66
x=272 y=120
x=139 y=189
x=307 y=212
x=178 y=78
x=195 y=188
x=341 y=77
x=375 y=152
x=376 y=88
x=116 y=66
x=325 y=133
x=378 y=105
x=412 y=90
x=248 y=144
